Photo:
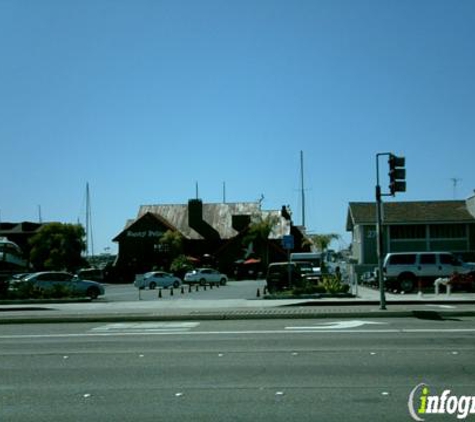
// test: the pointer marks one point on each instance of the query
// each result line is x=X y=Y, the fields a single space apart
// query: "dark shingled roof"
x=409 y=213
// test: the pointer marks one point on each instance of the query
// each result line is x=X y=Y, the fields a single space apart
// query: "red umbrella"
x=252 y=261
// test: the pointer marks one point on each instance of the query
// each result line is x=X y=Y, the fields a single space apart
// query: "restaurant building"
x=212 y=234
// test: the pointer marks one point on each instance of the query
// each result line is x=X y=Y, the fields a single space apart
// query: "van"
x=404 y=271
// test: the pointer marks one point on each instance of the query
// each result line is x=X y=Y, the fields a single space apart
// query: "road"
x=245 y=289
x=279 y=370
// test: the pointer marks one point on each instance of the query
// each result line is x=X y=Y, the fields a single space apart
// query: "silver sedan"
x=155 y=279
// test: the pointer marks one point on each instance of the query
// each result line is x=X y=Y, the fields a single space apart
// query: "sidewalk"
x=366 y=304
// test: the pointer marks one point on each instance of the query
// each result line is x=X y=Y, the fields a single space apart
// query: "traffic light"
x=397 y=174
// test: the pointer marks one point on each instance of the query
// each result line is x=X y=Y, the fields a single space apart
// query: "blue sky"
x=142 y=99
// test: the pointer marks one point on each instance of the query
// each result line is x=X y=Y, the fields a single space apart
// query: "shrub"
x=333 y=284
x=24 y=291
x=308 y=289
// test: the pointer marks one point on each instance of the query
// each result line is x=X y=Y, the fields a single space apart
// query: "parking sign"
x=288 y=242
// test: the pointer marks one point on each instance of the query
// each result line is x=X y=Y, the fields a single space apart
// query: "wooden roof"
x=217 y=215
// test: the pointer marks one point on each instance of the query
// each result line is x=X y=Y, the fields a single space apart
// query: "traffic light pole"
x=397 y=176
x=379 y=232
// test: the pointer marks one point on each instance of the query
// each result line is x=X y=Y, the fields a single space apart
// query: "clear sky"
x=143 y=98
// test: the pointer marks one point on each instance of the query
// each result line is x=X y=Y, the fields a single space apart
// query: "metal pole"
x=288 y=268
x=379 y=231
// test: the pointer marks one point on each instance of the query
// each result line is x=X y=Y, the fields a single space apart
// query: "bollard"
x=182 y=290
x=197 y=288
x=171 y=291
x=218 y=285
x=211 y=286
x=448 y=289
x=189 y=288
x=265 y=290
x=420 y=294
x=204 y=287
x=258 y=293
x=159 y=293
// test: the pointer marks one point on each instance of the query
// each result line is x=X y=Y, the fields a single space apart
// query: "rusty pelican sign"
x=145 y=233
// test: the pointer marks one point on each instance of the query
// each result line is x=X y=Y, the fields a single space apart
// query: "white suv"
x=403 y=271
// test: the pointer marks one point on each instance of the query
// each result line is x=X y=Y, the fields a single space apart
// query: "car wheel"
x=223 y=282
x=176 y=284
x=202 y=282
x=152 y=285
x=92 y=293
x=407 y=283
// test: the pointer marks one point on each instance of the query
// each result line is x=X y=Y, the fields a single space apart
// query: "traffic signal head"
x=397 y=174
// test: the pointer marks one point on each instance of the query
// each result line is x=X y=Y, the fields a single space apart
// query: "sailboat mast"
x=89 y=238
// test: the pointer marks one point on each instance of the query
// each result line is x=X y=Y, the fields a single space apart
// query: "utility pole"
x=455 y=182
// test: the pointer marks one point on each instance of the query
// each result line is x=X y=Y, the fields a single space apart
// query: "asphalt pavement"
x=366 y=303
x=261 y=370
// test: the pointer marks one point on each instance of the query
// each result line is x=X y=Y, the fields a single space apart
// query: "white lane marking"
x=257 y=332
x=337 y=325
x=145 y=327
x=443 y=306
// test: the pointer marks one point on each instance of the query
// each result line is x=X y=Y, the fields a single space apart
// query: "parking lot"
x=245 y=289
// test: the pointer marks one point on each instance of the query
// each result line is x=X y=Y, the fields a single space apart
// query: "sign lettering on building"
x=145 y=233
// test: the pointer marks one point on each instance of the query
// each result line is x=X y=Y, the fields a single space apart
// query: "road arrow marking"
x=337 y=325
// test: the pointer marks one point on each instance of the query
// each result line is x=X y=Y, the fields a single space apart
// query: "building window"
x=448 y=231
x=408 y=232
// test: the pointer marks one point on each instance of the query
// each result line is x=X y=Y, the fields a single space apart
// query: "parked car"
x=154 y=279
x=205 y=276
x=404 y=271
x=48 y=280
x=278 y=278
x=369 y=278
x=94 y=274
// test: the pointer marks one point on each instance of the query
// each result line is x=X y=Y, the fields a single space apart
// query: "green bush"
x=24 y=291
x=333 y=284
x=180 y=264
x=309 y=289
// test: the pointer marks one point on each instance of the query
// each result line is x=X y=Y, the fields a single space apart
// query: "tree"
x=180 y=266
x=174 y=241
x=258 y=234
x=321 y=241
x=58 y=246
